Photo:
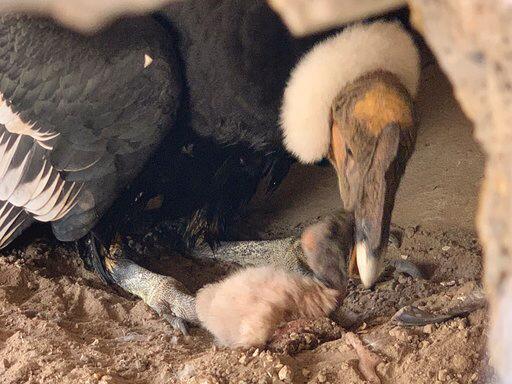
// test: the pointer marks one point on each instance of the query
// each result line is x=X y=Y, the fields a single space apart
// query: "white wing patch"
x=147 y=60
x=30 y=187
x=12 y=219
x=14 y=124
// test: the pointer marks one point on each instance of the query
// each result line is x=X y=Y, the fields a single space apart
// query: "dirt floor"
x=60 y=324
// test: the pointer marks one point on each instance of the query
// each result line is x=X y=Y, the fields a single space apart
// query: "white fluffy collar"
x=331 y=65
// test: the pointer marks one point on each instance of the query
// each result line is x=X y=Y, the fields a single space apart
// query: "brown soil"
x=60 y=324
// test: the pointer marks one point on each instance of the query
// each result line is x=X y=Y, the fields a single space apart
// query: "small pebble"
x=186 y=372
x=306 y=372
x=321 y=378
x=442 y=375
x=446 y=248
x=460 y=363
x=411 y=231
x=428 y=329
x=285 y=373
x=243 y=360
x=4 y=365
x=106 y=379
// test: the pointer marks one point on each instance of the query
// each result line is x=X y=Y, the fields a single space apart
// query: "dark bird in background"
x=82 y=115
x=347 y=97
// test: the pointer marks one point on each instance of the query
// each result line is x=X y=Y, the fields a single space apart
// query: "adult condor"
x=347 y=97
x=81 y=115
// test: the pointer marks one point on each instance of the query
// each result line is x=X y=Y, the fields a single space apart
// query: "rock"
x=186 y=372
x=411 y=231
x=321 y=378
x=442 y=375
x=428 y=329
x=205 y=380
x=399 y=334
x=174 y=340
x=460 y=363
x=4 y=365
x=285 y=374
x=383 y=369
x=243 y=360
x=446 y=248
x=106 y=379
x=306 y=372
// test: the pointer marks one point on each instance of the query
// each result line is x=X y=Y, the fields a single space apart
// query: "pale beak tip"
x=369 y=266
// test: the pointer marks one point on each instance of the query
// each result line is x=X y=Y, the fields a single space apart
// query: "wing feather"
x=79 y=116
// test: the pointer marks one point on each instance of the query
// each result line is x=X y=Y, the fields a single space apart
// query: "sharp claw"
x=395 y=239
x=182 y=326
x=167 y=296
x=177 y=323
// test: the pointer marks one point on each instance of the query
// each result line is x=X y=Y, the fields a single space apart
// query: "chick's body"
x=244 y=309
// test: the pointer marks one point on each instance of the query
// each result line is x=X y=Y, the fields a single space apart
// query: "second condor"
x=348 y=98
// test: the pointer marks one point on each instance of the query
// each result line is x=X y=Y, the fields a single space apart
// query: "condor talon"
x=164 y=294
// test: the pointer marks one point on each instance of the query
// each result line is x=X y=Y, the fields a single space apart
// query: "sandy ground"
x=60 y=324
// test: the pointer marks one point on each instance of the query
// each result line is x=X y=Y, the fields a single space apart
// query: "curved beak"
x=372 y=138
x=375 y=205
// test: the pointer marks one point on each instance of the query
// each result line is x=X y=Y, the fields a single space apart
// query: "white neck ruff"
x=331 y=65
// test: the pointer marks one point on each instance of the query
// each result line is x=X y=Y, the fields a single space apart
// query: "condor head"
x=350 y=99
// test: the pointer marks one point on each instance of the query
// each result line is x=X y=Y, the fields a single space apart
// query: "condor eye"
x=349 y=151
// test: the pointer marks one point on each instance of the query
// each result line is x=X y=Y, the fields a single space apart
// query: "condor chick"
x=244 y=309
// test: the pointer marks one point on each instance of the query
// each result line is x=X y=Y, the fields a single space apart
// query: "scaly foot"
x=166 y=295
